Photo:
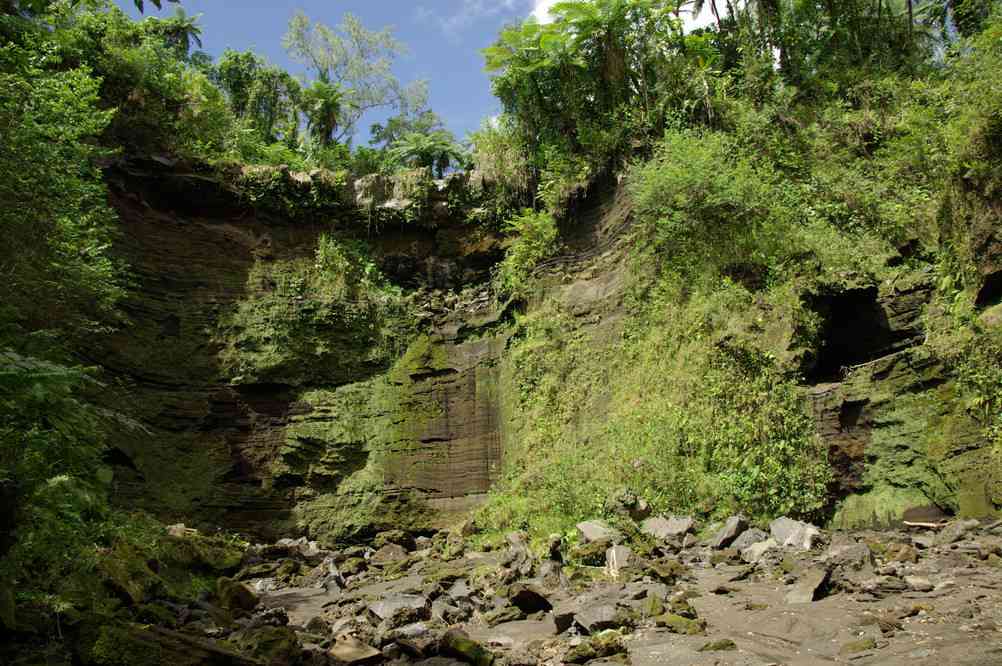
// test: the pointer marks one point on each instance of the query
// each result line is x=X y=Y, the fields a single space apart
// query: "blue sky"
x=443 y=37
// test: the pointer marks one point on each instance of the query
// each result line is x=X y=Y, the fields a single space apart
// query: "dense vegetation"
x=792 y=149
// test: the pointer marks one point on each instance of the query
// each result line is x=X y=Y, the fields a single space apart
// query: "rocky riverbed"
x=652 y=592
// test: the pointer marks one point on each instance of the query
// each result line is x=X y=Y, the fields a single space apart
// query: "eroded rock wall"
x=340 y=432
x=265 y=451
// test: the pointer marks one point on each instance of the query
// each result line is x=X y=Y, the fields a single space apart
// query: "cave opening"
x=991 y=291
x=855 y=330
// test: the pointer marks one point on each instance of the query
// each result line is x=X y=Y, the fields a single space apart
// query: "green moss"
x=126 y=569
x=303 y=322
x=880 y=506
x=120 y=645
x=351 y=448
x=271 y=645
x=681 y=625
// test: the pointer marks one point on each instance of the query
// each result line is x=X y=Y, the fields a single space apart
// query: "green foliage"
x=328 y=318
x=503 y=164
x=709 y=204
x=682 y=411
x=435 y=150
x=57 y=225
x=265 y=97
x=534 y=239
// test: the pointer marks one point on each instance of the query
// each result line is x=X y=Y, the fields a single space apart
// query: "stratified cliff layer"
x=266 y=402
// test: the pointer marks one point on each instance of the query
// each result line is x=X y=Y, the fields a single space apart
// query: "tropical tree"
x=325 y=104
x=266 y=96
x=575 y=79
x=436 y=150
x=180 y=31
x=356 y=61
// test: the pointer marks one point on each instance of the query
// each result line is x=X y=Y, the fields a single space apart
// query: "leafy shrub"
x=705 y=205
x=535 y=238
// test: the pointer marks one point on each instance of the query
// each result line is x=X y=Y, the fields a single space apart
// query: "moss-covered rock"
x=681 y=625
x=126 y=569
x=235 y=596
x=604 y=644
x=270 y=645
x=457 y=643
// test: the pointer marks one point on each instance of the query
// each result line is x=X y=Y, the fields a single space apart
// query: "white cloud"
x=542 y=10
x=469 y=12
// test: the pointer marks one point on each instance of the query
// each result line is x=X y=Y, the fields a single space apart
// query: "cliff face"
x=265 y=405
x=242 y=417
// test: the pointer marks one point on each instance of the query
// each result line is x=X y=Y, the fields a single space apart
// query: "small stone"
x=919 y=584
x=350 y=650
x=731 y=530
x=810 y=587
x=855 y=647
x=794 y=534
x=663 y=528
x=722 y=645
x=598 y=530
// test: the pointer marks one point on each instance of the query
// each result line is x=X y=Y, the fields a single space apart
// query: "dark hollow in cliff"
x=855 y=330
x=991 y=291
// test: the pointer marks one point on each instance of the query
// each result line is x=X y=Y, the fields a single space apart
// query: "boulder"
x=602 y=615
x=663 y=528
x=919 y=584
x=528 y=599
x=628 y=503
x=395 y=537
x=791 y=533
x=955 y=531
x=618 y=558
x=235 y=596
x=518 y=557
x=731 y=530
x=388 y=554
x=810 y=587
x=856 y=556
x=756 y=551
x=392 y=605
x=749 y=538
x=591 y=531
x=681 y=625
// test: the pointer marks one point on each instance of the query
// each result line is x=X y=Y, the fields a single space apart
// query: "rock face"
x=897 y=435
x=238 y=430
x=343 y=426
